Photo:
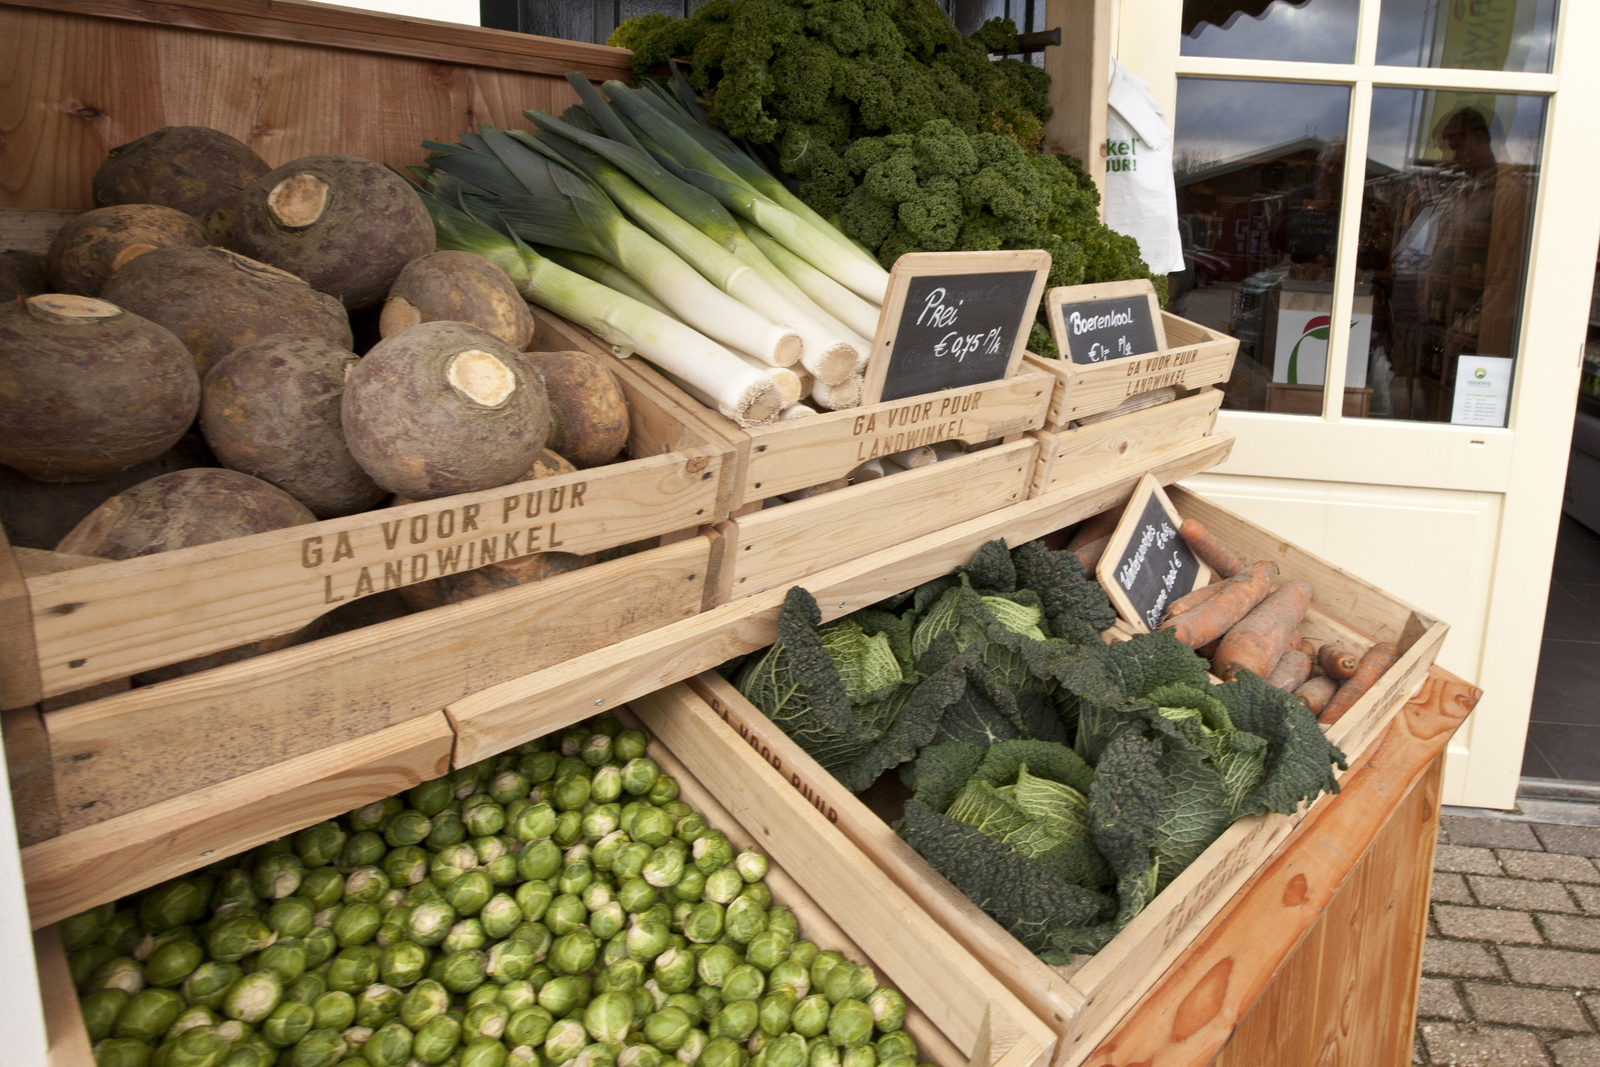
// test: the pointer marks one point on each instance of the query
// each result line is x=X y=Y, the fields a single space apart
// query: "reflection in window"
x=1445 y=219
x=1311 y=31
x=1467 y=34
x=1259 y=167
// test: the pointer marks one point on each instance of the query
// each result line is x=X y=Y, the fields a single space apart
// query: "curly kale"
x=891 y=121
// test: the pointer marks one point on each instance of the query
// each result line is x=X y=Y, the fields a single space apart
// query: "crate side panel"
x=1129 y=441
x=126 y=752
x=784 y=544
x=1101 y=388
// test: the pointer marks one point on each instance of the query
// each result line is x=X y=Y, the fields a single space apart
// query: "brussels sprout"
x=810 y=1016
x=744 y=982
x=176 y=903
x=121 y=1052
x=389 y=1046
x=100 y=1010
x=319 y=946
x=451 y=863
x=645 y=1001
x=608 y=920
x=574 y=953
x=404 y=963
x=253 y=997
x=752 y=865
x=511 y=960
x=194 y=1047
x=777 y=1009
x=647 y=939
x=484 y=819
x=569 y=828
x=447 y=830
x=425 y=1000
x=790 y=975
x=710 y=998
x=123 y=931
x=743 y=919
x=860 y=1056
x=561 y=995
x=170 y=964
x=622 y=976
x=712 y=853
x=571 y=793
x=637 y=1055
x=237 y=936
x=319 y=845
x=292 y=916
x=596 y=751
x=469 y=893
x=691 y=885
x=675 y=970
x=518 y=994
x=788 y=1050
x=822 y=1054
x=538 y=767
x=319 y=1048
x=693 y=1046
x=757 y=893
x=277 y=876
x=528 y=1026
x=357 y=924
x=635 y=895
x=371 y=816
x=333 y=1010
x=723 y=1052
x=534 y=823
x=565 y=1040
x=768 y=948
x=466 y=934
x=781 y=919
x=722 y=886
x=850 y=1023
x=288 y=1023
x=895 y=1045
x=630 y=745
x=464 y=971
x=757 y=1045
x=628 y=861
x=431 y=797
x=600 y=822
x=286 y=958
x=81 y=930
x=651 y=826
x=888 y=1009
x=668 y=1028
x=664 y=868
x=565 y=914
x=321 y=888
x=353 y=969
x=704 y=924
x=207 y=983
x=606 y=785
x=737 y=1020
x=508 y=786
x=715 y=963
x=575 y=877
x=531 y=902
x=539 y=860
x=365 y=885
x=609 y=1017
x=436 y=1039
x=821 y=965
x=537 y=935
x=431 y=922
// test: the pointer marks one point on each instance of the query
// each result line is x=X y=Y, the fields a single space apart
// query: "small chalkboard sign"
x=1146 y=565
x=1104 y=322
x=953 y=319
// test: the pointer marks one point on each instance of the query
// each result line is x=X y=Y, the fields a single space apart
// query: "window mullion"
x=1367 y=33
x=1351 y=192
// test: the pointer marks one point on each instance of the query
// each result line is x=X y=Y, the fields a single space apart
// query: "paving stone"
x=1588 y=896
x=1548 y=866
x=1482 y=1046
x=1485 y=924
x=1552 y=967
x=1521 y=895
x=1572 y=840
x=1458 y=959
x=1545 y=1009
x=1437 y=999
x=1465 y=860
x=1451 y=889
x=1577 y=1051
x=1490 y=833
x=1570 y=932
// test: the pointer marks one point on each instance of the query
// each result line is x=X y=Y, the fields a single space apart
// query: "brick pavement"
x=1511 y=971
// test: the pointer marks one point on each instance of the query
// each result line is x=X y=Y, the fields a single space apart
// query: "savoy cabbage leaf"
x=1059 y=763
x=983 y=807
x=940 y=771
x=1125 y=801
x=1060 y=809
x=1019 y=893
x=1298 y=756
x=866 y=662
x=991 y=568
x=1074 y=604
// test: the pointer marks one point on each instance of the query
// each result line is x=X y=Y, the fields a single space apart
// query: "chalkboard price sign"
x=953 y=319
x=1100 y=323
x=1146 y=565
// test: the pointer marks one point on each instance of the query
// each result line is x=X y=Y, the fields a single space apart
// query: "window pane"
x=1470 y=34
x=1445 y=220
x=1259 y=167
x=1312 y=31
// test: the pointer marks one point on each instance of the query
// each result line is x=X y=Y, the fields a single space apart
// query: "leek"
x=854 y=312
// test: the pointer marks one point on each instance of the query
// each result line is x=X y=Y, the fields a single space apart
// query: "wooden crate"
x=959 y=1014
x=1085 y=1001
x=1195 y=356
x=1124 y=443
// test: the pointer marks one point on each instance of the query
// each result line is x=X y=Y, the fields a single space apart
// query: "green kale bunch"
x=896 y=126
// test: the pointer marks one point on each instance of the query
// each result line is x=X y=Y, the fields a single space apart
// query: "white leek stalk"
x=848 y=308
x=836 y=396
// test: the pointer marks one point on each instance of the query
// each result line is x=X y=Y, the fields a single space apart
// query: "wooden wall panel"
x=72 y=87
x=1347 y=996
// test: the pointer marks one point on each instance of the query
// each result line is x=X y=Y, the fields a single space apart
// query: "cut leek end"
x=832 y=364
x=839 y=395
x=758 y=404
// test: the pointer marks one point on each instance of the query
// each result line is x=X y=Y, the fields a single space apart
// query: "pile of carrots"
x=1242 y=623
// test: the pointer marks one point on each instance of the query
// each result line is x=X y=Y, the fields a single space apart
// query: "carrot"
x=1291 y=670
x=1208 y=549
x=1315 y=693
x=1377 y=659
x=1257 y=641
x=1190 y=599
x=1309 y=647
x=1095 y=527
x=1089 y=552
x=1337 y=663
x=1232 y=602
x=1208 y=651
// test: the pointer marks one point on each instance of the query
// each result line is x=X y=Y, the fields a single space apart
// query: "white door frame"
x=1525 y=462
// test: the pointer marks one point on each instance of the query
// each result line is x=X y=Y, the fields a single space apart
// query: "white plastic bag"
x=1141 y=200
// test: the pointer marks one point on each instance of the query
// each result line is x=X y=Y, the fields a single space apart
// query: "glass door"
x=1388 y=202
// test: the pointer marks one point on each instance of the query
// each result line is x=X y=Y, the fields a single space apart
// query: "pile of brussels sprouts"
x=554 y=905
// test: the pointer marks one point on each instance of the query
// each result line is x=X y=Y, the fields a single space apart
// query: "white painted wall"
x=463 y=11
x=22 y=1036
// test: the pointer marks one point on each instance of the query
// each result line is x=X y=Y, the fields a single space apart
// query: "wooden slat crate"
x=1123 y=443
x=1084 y=1002
x=1195 y=356
x=959 y=1014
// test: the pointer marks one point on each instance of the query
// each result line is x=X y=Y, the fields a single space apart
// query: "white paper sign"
x=1483 y=389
